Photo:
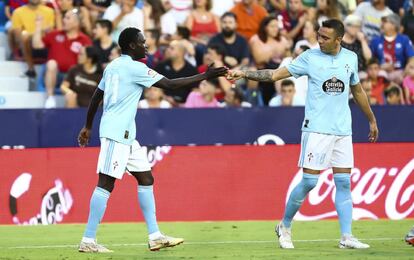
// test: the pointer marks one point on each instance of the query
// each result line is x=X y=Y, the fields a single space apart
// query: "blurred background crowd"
x=66 y=45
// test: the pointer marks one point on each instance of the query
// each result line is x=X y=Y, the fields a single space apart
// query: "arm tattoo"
x=259 y=75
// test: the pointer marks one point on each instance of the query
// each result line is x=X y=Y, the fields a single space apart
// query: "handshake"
x=213 y=72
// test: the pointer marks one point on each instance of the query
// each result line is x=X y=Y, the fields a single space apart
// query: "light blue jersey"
x=327 y=110
x=123 y=82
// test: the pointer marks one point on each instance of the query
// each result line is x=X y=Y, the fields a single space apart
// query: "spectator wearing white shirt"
x=287 y=96
x=123 y=14
x=154 y=98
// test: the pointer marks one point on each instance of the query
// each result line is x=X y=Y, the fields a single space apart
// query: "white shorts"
x=117 y=158
x=322 y=151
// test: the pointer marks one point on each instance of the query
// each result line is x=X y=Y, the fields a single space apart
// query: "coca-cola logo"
x=56 y=203
x=333 y=86
x=378 y=191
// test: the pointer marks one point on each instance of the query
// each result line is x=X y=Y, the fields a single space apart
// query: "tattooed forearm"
x=259 y=75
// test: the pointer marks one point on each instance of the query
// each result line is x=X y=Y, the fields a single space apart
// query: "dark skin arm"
x=164 y=83
x=171 y=84
x=85 y=132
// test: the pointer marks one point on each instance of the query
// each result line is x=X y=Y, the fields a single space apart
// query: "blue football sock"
x=147 y=204
x=343 y=201
x=97 y=210
x=297 y=196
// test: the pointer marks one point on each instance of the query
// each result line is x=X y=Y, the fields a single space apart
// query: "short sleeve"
x=101 y=84
x=409 y=51
x=354 y=74
x=145 y=76
x=47 y=39
x=16 y=21
x=70 y=77
x=299 y=66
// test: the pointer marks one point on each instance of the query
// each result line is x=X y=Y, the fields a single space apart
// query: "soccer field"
x=209 y=240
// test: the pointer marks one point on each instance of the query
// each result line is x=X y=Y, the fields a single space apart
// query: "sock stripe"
x=304 y=144
x=109 y=156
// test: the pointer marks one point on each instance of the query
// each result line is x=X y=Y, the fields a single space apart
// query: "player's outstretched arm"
x=85 y=132
x=266 y=75
x=211 y=72
x=361 y=99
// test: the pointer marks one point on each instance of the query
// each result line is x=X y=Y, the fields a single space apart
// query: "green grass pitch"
x=209 y=240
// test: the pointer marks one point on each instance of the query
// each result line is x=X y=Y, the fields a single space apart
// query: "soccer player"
x=120 y=89
x=326 y=130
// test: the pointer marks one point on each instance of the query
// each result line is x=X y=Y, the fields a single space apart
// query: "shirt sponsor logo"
x=333 y=86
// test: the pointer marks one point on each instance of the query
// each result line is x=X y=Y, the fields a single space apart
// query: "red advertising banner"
x=43 y=186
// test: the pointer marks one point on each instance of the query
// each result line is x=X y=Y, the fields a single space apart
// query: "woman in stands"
x=82 y=79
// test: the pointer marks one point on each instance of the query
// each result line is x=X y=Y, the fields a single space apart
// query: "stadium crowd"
x=75 y=39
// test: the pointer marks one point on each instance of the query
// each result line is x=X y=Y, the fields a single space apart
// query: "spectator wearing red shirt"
x=63 y=49
x=378 y=83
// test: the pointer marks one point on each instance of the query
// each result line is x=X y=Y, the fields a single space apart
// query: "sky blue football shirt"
x=330 y=77
x=123 y=82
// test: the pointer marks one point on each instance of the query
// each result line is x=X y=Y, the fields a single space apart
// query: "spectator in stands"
x=268 y=48
x=301 y=83
x=115 y=53
x=10 y=6
x=408 y=83
x=97 y=8
x=253 y=95
x=63 y=49
x=201 y=22
x=287 y=96
x=349 y=6
x=234 y=98
x=407 y=23
x=367 y=86
x=379 y=83
x=24 y=19
x=325 y=9
x=154 y=98
x=275 y=6
x=154 y=55
x=393 y=95
x=175 y=66
x=215 y=55
x=249 y=15
x=62 y=6
x=103 y=41
x=310 y=34
x=81 y=80
x=204 y=96
x=155 y=18
x=237 y=50
x=370 y=13
x=183 y=35
x=392 y=49
x=294 y=18
x=355 y=40
x=123 y=14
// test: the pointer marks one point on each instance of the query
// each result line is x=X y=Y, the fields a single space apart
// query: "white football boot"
x=285 y=236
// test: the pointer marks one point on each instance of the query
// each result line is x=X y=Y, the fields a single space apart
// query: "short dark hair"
x=155 y=33
x=229 y=14
x=127 y=36
x=105 y=24
x=184 y=32
x=218 y=48
x=335 y=24
x=287 y=82
x=373 y=61
x=92 y=53
x=393 y=89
